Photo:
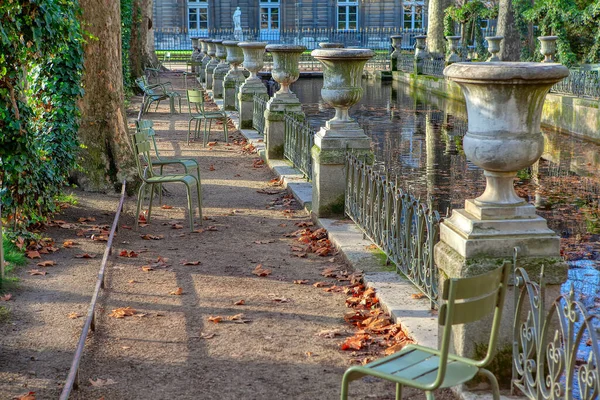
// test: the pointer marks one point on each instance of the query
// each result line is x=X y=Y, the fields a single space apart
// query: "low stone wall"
x=561 y=112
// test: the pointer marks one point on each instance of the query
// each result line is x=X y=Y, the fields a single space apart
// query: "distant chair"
x=429 y=369
x=142 y=150
x=157 y=92
x=198 y=114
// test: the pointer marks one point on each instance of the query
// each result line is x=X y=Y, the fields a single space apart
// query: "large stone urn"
x=504 y=106
x=453 y=46
x=220 y=70
x=196 y=56
x=494 y=47
x=205 y=60
x=286 y=58
x=548 y=48
x=420 y=52
x=212 y=63
x=397 y=45
x=235 y=77
x=342 y=75
x=253 y=62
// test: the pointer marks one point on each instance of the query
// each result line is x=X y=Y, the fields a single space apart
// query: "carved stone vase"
x=548 y=48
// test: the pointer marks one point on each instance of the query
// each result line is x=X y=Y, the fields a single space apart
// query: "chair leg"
x=199 y=190
x=493 y=382
x=398 y=391
x=150 y=205
x=225 y=130
x=429 y=396
x=157 y=104
x=141 y=193
x=190 y=209
x=160 y=188
x=345 y=383
x=190 y=131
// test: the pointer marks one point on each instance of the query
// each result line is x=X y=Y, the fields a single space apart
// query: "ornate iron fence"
x=372 y=38
x=580 y=82
x=556 y=349
x=299 y=140
x=381 y=62
x=258 y=119
x=402 y=226
x=434 y=67
x=406 y=62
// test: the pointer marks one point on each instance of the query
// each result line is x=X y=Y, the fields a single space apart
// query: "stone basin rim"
x=508 y=73
x=253 y=45
x=230 y=42
x=547 y=37
x=342 y=54
x=217 y=41
x=285 y=48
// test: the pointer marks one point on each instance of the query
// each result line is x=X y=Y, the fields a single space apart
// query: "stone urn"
x=330 y=45
x=195 y=42
x=220 y=70
x=397 y=45
x=494 y=47
x=212 y=63
x=342 y=76
x=286 y=58
x=453 y=46
x=548 y=48
x=253 y=58
x=420 y=52
x=504 y=106
x=235 y=56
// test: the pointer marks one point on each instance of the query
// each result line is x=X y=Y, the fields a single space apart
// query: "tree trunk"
x=436 y=42
x=142 y=52
x=510 y=47
x=149 y=55
x=107 y=157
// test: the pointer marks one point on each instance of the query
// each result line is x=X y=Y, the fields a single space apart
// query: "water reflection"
x=417 y=137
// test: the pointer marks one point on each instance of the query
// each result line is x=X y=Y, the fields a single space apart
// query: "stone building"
x=270 y=17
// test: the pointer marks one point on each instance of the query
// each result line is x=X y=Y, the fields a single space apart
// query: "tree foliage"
x=469 y=16
x=41 y=62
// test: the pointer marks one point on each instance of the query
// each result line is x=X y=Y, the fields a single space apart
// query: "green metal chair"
x=466 y=300
x=142 y=149
x=188 y=164
x=157 y=92
x=198 y=115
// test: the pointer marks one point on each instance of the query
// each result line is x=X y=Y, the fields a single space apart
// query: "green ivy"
x=41 y=61
x=126 y=25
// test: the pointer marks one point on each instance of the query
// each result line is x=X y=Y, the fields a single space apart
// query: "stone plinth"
x=504 y=105
x=397 y=45
x=235 y=76
x=220 y=70
x=212 y=63
x=285 y=71
x=342 y=89
x=253 y=62
x=205 y=60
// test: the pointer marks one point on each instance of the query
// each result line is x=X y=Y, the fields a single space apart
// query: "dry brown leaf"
x=417 y=295
x=176 y=226
x=166 y=207
x=191 y=263
x=177 y=292
x=204 y=335
x=236 y=317
x=320 y=284
x=122 y=312
x=301 y=281
x=102 y=382
x=329 y=333
x=147 y=236
x=395 y=348
x=132 y=281
x=128 y=254
x=86 y=219
x=52 y=249
x=26 y=396
x=281 y=300
x=239 y=303
x=309 y=354
x=216 y=319
x=47 y=263
x=33 y=254
x=67 y=244
x=211 y=168
x=74 y=315
x=37 y=272
x=6 y=297
x=260 y=271
x=147 y=268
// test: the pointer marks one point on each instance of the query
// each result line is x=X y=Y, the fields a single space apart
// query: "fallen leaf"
x=52 y=249
x=86 y=219
x=309 y=354
x=128 y=254
x=320 y=284
x=102 y=382
x=176 y=226
x=132 y=281
x=33 y=254
x=6 y=297
x=301 y=281
x=147 y=268
x=215 y=319
x=395 y=348
x=281 y=300
x=264 y=241
x=37 y=272
x=166 y=207
x=418 y=295
x=239 y=303
x=86 y=255
x=177 y=292
x=126 y=227
x=329 y=333
x=67 y=244
x=204 y=335
x=191 y=263
x=147 y=236
x=371 y=247
x=122 y=312
x=235 y=317
x=47 y=263
x=211 y=168
x=260 y=271
x=74 y=315
x=26 y=396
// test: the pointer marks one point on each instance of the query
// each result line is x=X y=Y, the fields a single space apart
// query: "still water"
x=417 y=137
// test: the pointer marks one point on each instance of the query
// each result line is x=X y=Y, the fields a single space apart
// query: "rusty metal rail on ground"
x=90 y=321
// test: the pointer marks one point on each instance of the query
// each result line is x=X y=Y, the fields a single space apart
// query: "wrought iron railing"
x=299 y=140
x=406 y=62
x=556 y=349
x=434 y=67
x=580 y=82
x=372 y=38
x=381 y=62
x=402 y=226
x=258 y=119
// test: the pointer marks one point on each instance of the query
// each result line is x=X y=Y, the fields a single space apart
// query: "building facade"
x=197 y=17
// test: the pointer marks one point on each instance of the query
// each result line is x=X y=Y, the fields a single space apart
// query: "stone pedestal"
x=235 y=56
x=342 y=89
x=397 y=45
x=285 y=72
x=212 y=63
x=420 y=53
x=205 y=60
x=504 y=104
x=220 y=70
x=253 y=62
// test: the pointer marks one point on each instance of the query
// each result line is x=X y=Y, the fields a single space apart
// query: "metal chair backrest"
x=147 y=126
x=143 y=84
x=195 y=99
x=141 y=147
x=469 y=300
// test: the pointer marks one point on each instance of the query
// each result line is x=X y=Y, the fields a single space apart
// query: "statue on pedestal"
x=237 y=24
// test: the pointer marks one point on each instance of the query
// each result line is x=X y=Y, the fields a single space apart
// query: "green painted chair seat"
x=198 y=114
x=187 y=179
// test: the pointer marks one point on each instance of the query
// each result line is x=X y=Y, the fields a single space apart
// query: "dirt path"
x=171 y=349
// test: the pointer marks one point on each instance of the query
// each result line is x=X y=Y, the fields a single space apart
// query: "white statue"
x=237 y=19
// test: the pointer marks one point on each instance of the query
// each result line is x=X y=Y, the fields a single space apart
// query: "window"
x=197 y=15
x=269 y=15
x=347 y=15
x=413 y=15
